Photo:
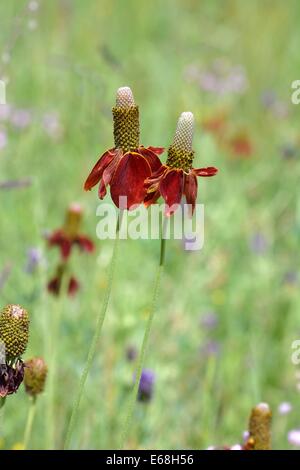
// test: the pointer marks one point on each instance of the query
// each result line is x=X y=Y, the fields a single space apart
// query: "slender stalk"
x=2 y=403
x=30 y=418
x=141 y=359
x=54 y=328
x=94 y=343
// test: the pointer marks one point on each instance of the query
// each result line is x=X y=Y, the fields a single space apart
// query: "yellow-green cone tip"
x=73 y=220
x=14 y=330
x=183 y=139
x=124 y=98
x=35 y=376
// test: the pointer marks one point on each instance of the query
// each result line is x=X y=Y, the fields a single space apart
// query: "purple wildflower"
x=288 y=151
x=294 y=437
x=209 y=320
x=34 y=258
x=268 y=98
x=52 y=125
x=221 y=77
x=33 y=5
x=258 y=243
x=5 y=110
x=291 y=278
x=20 y=118
x=284 y=408
x=210 y=348
x=3 y=139
x=146 y=385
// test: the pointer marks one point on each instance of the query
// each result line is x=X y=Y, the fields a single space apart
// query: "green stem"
x=30 y=418
x=135 y=390
x=94 y=343
x=2 y=403
x=53 y=361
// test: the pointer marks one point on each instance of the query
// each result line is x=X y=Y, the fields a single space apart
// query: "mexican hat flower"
x=69 y=235
x=54 y=285
x=35 y=376
x=178 y=178
x=125 y=166
x=14 y=330
x=11 y=378
x=14 y=333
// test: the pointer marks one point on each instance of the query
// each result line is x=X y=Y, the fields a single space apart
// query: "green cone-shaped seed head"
x=35 y=376
x=14 y=330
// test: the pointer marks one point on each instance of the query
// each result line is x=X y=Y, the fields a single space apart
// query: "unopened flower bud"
x=14 y=330
x=35 y=376
x=260 y=427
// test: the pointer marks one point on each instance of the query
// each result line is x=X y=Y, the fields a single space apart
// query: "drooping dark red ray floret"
x=11 y=378
x=69 y=235
x=177 y=178
x=125 y=166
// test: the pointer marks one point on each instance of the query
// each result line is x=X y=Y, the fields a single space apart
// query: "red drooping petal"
x=156 y=150
x=60 y=239
x=190 y=191
x=96 y=173
x=128 y=180
x=84 y=243
x=209 y=171
x=151 y=198
x=108 y=173
x=171 y=188
x=73 y=286
x=151 y=158
x=156 y=176
x=54 y=286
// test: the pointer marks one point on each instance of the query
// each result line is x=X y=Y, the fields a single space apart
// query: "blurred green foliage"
x=207 y=380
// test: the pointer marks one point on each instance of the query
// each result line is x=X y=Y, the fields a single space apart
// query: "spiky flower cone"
x=126 y=120
x=35 y=376
x=180 y=153
x=73 y=220
x=260 y=427
x=14 y=330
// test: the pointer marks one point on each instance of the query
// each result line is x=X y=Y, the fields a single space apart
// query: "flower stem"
x=2 y=403
x=54 y=326
x=141 y=359
x=30 y=418
x=94 y=343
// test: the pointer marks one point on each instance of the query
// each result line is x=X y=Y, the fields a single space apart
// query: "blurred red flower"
x=68 y=236
x=54 y=286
